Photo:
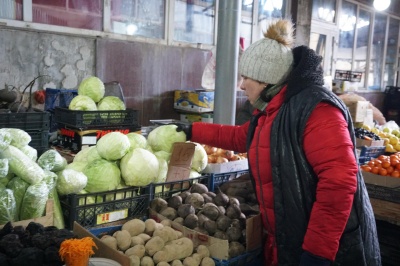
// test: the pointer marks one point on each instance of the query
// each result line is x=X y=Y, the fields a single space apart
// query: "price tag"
x=89 y=140
x=180 y=162
x=112 y=216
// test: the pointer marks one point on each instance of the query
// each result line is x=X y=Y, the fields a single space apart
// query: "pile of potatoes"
x=150 y=243
x=213 y=214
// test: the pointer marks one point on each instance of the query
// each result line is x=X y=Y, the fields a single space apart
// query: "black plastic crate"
x=217 y=179
x=384 y=193
x=94 y=209
x=168 y=189
x=96 y=119
x=74 y=139
x=254 y=258
x=25 y=121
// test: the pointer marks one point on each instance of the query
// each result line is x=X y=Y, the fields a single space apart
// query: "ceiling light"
x=381 y=5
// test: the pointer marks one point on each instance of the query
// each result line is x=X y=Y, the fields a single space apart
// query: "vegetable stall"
x=112 y=178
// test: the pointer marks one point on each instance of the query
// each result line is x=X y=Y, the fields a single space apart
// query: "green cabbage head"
x=92 y=87
x=139 y=167
x=111 y=103
x=163 y=137
x=102 y=176
x=113 y=146
x=137 y=141
x=87 y=155
x=200 y=159
x=82 y=103
x=70 y=181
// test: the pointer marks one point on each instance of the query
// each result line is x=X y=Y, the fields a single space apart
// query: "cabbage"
x=113 y=146
x=137 y=141
x=82 y=103
x=30 y=152
x=34 y=201
x=163 y=137
x=19 y=187
x=162 y=172
x=70 y=182
x=3 y=168
x=139 y=167
x=87 y=155
x=52 y=160
x=78 y=166
x=194 y=174
x=200 y=159
x=111 y=103
x=88 y=199
x=19 y=137
x=92 y=87
x=5 y=139
x=102 y=176
x=23 y=166
x=4 y=181
x=163 y=155
x=8 y=207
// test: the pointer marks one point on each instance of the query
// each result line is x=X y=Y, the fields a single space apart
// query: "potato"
x=136 y=240
x=155 y=244
x=123 y=239
x=197 y=257
x=195 y=199
x=166 y=233
x=198 y=188
x=185 y=209
x=207 y=261
x=178 y=220
x=144 y=236
x=134 y=227
x=169 y=213
x=110 y=241
x=190 y=261
x=165 y=223
x=138 y=250
x=163 y=263
x=150 y=226
x=201 y=230
x=146 y=261
x=175 y=250
x=135 y=260
x=176 y=263
x=203 y=251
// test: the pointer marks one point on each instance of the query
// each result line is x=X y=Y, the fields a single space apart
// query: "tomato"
x=39 y=96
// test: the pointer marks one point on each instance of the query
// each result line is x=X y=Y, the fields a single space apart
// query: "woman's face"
x=252 y=88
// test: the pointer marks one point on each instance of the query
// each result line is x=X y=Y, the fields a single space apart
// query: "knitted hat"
x=270 y=59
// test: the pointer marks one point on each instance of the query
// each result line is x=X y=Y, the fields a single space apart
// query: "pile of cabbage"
x=91 y=97
x=116 y=161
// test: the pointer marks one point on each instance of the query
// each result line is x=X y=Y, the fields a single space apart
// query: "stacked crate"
x=36 y=124
x=78 y=129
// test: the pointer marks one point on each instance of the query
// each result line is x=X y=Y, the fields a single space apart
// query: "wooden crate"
x=46 y=220
x=386 y=211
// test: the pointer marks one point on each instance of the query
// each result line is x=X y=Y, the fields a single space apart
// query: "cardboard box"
x=358 y=110
x=206 y=117
x=198 y=101
x=102 y=251
x=379 y=180
x=369 y=143
x=46 y=220
x=219 y=248
x=232 y=166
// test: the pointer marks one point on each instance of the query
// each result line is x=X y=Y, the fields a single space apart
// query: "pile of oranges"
x=385 y=165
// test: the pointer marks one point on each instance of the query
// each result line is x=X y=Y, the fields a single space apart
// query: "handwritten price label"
x=112 y=216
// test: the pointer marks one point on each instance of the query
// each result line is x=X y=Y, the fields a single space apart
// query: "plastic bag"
x=34 y=201
x=8 y=209
x=19 y=187
x=52 y=160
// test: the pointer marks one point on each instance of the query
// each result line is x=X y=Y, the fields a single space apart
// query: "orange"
x=395 y=173
x=382 y=157
x=375 y=170
x=366 y=168
x=376 y=161
x=371 y=163
x=393 y=162
x=385 y=164
x=382 y=171
x=397 y=166
x=390 y=170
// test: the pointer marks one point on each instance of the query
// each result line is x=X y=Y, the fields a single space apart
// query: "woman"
x=300 y=146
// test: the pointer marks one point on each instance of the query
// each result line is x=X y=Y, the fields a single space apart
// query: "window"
x=194 y=21
x=11 y=9
x=362 y=41
x=377 y=52
x=390 y=76
x=247 y=22
x=138 y=17
x=324 y=10
x=267 y=10
x=69 y=13
x=347 y=25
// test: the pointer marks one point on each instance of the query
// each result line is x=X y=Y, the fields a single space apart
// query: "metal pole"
x=229 y=15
